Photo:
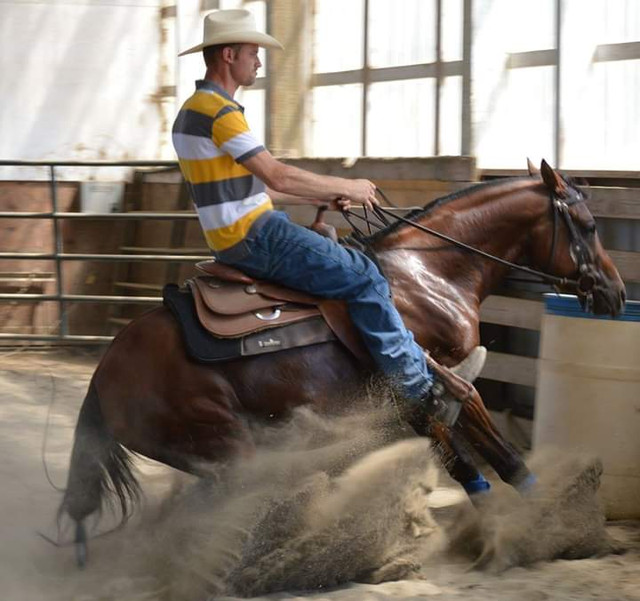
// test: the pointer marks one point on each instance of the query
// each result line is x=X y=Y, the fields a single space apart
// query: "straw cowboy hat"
x=236 y=26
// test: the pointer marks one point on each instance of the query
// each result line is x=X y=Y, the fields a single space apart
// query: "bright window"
x=401 y=32
x=337 y=121
x=339 y=35
x=400 y=119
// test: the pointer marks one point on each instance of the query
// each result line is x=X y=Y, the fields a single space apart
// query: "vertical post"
x=466 y=143
x=557 y=124
x=268 y=124
x=63 y=329
x=288 y=75
x=365 y=79
x=436 y=129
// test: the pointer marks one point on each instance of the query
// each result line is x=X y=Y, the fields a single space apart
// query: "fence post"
x=63 y=328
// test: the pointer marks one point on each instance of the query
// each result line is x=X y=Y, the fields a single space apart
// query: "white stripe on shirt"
x=195 y=147
x=227 y=213
x=240 y=144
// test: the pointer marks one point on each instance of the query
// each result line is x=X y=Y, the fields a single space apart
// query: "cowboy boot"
x=470 y=367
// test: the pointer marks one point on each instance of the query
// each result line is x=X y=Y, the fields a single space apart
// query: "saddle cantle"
x=232 y=305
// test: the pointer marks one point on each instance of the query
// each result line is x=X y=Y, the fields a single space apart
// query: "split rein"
x=383 y=214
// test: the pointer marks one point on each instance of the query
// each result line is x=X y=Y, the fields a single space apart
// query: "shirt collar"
x=206 y=84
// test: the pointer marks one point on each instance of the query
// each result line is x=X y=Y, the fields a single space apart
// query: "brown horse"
x=147 y=396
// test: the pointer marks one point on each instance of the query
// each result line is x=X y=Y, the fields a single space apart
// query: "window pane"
x=620 y=21
x=339 y=35
x=529 y=25
x=450 y=116
x=517 y=122
x=400 y=118
x=337 y=121
x=515 y=25
x=452 y=26
x=401 y=32
x=602 y=130
x=254 y=105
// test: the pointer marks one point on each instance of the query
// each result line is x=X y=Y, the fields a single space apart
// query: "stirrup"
x=441 y=405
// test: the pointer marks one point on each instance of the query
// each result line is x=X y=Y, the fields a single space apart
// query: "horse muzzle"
x=599 y=296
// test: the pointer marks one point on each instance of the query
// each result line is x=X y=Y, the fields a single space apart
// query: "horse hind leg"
x=99 y=465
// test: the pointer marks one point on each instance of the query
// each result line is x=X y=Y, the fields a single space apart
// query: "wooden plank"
x=591 y=174
x=515 y=312
x=513 y=369
x=138 y=286
x=628 y=264
x=153 y=250
x=429 y=168
x=620 y=203
x=421 y=184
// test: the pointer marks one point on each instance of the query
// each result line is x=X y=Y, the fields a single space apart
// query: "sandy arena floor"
x=180 y=550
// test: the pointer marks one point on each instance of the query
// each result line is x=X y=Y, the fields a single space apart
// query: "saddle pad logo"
x=269 y=343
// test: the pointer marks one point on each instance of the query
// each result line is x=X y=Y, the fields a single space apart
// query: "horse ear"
x=533 y=170
x=554 y=182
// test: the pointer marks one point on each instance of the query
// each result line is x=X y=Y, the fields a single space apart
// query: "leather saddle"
x=231 y=304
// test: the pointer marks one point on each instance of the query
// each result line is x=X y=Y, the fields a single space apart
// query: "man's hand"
x=362 y=191
x=339 y=204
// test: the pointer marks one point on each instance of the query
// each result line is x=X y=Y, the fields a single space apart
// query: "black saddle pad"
x=204 y=347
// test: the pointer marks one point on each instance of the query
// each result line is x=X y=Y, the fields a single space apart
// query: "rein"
x=584 y=284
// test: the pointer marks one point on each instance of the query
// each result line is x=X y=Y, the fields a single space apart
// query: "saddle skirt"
x=231 y=304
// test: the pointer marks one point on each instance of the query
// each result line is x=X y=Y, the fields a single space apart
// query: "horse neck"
x=496 y=218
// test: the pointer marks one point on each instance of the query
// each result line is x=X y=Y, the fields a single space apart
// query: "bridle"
x=578 y=248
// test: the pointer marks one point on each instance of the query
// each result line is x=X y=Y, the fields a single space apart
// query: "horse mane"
x=438 y=202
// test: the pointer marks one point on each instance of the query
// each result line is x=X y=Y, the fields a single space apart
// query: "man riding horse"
x=232 y=179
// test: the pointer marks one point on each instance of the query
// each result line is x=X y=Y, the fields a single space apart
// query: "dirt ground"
x=179 y=549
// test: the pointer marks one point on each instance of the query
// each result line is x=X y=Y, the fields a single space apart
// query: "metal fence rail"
x=60 y=257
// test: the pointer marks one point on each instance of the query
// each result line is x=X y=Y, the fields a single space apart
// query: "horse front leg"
x=457 y=459
x=477 y=428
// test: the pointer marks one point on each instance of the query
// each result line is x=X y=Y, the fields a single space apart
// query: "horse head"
x=567 y=245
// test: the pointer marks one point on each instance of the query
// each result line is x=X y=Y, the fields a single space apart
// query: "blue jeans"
x=291 y=255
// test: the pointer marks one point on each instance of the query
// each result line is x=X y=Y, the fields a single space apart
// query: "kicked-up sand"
x=343 y=508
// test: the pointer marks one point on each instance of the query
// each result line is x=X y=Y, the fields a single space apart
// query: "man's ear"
x=228 y=54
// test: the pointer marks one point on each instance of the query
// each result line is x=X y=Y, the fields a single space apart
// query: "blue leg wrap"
x=479 y=485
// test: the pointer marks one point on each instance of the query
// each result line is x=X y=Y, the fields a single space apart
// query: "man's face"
x=246 y=64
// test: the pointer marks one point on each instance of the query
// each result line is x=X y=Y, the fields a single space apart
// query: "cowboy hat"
x=235 y=26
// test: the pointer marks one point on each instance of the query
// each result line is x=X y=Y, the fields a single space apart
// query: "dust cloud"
x=347 y=508
x=328 y=501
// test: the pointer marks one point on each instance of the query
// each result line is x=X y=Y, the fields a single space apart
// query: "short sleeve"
x=231 y=134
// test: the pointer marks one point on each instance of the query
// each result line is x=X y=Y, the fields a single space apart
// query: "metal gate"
x=60 y=257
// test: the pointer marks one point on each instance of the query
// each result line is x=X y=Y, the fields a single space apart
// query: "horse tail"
x=100 y=469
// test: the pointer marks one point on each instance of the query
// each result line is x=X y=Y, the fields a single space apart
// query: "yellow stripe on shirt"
x=225 y=237
x=198 y=171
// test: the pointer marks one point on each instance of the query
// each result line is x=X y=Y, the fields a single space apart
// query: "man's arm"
x=290 y=180
x=293 y=199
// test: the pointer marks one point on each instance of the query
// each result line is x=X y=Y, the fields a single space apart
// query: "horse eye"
x=590 y=228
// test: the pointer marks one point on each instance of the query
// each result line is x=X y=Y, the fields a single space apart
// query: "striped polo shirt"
x=212 y=139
